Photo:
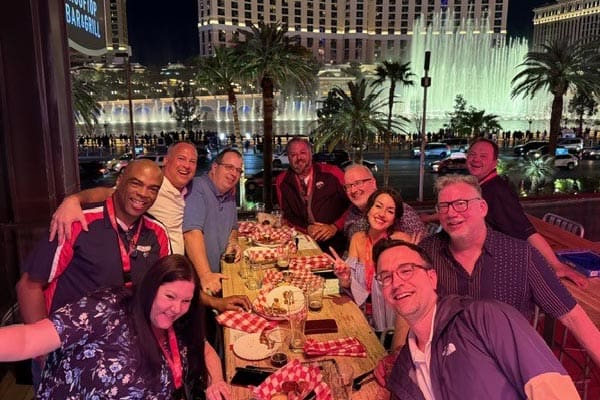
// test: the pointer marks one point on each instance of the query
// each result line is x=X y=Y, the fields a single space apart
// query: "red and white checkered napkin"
x=294 y=371
x=245 y=321
x=245 y=228
x=276 y=235
x=349 y=346
x=301 y=278
x=262 y=254
x=310 y=262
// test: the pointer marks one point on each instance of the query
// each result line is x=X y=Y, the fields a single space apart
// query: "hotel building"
x=575 y=20
x=342 y=31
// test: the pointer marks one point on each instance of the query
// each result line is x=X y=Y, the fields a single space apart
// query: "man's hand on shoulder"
x=68 y=212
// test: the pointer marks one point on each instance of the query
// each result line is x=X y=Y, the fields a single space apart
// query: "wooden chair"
x=564 y=223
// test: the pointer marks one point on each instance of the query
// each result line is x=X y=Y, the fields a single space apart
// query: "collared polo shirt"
x=213 y=213
x=92 y=260
x=168 y=209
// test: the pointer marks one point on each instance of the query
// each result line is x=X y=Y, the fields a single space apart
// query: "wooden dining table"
x=350 y=322
x=559 y=239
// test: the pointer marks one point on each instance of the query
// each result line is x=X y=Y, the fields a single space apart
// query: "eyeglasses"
x=403 y=271
x=356 y=184
x=458 y=205
x=231 y=168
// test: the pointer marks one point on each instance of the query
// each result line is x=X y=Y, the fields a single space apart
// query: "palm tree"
x=537 y=170
x=560 y=66
x=352 y=119
x=221 y=73
x=269 y=55
x=396 y=73
x=85 y=106
x=582 y=105
x=478 y=121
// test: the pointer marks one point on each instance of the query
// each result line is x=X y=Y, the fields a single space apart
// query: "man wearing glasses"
x=460 y=348
x=359 y=184
x=312 y=198
x=473 y=260
x=210 y=218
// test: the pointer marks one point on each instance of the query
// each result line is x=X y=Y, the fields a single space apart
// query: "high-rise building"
x=341 y=31
x=575 y=20
x=116 y=26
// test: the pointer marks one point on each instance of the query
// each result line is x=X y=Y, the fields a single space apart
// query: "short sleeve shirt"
x=214 y=214
x=168 y=209
x=508 y=270
x=96 y=359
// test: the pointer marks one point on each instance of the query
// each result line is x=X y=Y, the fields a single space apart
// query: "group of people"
x=139 y=267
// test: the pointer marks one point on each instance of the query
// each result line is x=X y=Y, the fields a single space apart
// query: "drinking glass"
x=342 y=382
x=283 y=258
x=254 y=278
x=315 y=296
x=279 y=338
x=297 y=323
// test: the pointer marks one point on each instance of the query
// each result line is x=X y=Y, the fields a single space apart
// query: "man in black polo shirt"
x=121 y=243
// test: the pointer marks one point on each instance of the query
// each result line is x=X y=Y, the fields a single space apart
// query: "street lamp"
x=425 y=83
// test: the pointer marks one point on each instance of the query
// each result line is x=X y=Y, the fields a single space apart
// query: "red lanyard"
x=173 y=357
x=125 y=253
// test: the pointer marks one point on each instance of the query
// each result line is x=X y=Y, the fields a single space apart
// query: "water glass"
x=259 y=207
x=297 y=324
x=342 y=382
x=254 y=278
x=277 y=214
x=283 y=258
x=244 y=268
x=279 y=340
x=314 y=295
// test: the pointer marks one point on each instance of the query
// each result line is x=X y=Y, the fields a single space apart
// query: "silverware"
x=360 y=380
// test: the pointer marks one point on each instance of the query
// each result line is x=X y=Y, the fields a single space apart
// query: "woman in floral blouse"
x=148 y=344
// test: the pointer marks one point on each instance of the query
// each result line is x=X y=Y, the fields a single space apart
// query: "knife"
x=357 y=382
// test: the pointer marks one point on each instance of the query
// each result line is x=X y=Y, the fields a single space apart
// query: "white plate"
x=277 y=293
x=250 y=348
x=271 y=245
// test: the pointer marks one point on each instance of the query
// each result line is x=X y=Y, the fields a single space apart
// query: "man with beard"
x=312 y=197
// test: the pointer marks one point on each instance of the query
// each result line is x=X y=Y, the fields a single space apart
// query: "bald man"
x=120 y=244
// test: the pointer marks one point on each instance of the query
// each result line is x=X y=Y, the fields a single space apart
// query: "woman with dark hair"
x=357 y=273
x=118 y=344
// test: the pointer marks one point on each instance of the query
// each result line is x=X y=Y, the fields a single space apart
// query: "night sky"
x=166 y=31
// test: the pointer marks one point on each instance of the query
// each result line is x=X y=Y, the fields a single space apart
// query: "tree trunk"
x=267 y=92
x=555 y=117
x=387 y=136
x=237 y=132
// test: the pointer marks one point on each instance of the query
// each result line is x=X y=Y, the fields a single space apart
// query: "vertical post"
x=128 y=81
x=425 y=83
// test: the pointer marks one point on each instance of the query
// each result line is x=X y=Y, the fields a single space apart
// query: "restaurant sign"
x=86 y=26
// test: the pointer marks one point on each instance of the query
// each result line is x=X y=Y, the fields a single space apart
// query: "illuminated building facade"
x=342 y=31
x=575 y=20
x=116 y=26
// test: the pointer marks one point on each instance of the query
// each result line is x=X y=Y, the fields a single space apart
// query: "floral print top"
x=96 y=358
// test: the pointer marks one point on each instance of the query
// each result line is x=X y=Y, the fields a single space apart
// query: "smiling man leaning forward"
x=460 y=348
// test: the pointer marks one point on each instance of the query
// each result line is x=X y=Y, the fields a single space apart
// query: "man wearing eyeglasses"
x=473 y=260
x=210 y=218
x=460 y=348
x=505 y=212
x=359 y=184
x=312 y=198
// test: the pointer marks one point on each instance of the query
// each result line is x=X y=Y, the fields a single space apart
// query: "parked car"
x=575 y=144
x=543 y=150
x=281 y=159
x=457 y=144
x=567 y=161
x=119 y=162
x=157 y=158
x=342 y=159
x=522 y=149
x=255 y=183
x=591 y=152
x=433 y=149
x=456 y=163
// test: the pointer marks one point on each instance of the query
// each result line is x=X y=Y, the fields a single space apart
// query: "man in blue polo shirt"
x=210 y=218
